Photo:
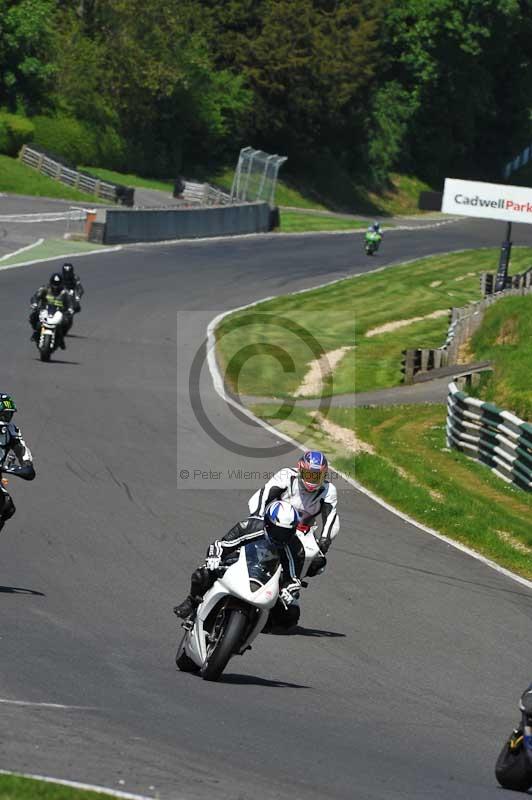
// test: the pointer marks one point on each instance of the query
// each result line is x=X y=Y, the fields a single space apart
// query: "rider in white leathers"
x=308 y=491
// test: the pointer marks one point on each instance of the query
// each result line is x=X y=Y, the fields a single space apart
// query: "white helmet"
x=280 y=521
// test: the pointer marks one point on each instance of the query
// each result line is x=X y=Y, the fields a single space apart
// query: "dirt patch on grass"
x=388 y=327
x=319 y=370
x=344 y=436
x=508 y=333
x=517 y=544
x=463 y=277
x=435 y=283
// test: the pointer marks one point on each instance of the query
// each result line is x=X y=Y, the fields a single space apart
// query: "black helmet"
x=7 y=407
x=56 y=284
x=68 y=273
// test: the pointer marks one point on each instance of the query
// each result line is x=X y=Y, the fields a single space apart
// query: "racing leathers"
x=322 y=503
x=44 y=297
x=73 y=284
x=12 y=446
x=221 y=552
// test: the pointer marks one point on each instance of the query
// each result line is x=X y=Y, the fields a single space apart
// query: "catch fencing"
x=255 y=178
x=496 y=438
x=113 y=193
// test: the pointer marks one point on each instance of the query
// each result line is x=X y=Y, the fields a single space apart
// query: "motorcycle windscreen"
x=262 y=562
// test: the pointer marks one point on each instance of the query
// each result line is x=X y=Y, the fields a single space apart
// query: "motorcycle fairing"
x=234 y=583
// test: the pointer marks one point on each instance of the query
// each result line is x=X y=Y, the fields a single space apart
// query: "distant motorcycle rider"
x=279 y=524
x=12 y=447
x=72 y=282
x=53 y=294
x=375 y=228
x=312 y=495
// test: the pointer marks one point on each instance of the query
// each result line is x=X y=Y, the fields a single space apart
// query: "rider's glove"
x=290 y=593
x=214 y=556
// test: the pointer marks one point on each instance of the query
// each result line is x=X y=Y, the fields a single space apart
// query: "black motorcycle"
x=513 y=769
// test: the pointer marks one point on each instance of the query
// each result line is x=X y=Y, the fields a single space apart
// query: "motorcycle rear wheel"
x=513 y=769
x=228 y=638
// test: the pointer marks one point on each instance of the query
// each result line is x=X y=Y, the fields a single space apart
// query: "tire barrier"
x=496 y=438
x=122 y=227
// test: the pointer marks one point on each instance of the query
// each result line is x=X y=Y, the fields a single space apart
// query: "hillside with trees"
x=429 y=87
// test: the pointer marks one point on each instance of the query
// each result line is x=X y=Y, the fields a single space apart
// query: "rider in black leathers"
x=12 y=446
x=54 y=294
x=72 y=282
x=281 y=533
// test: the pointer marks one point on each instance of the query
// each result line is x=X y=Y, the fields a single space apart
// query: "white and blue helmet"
x=280 y=521
x=312 y=468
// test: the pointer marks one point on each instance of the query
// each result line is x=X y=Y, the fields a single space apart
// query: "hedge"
x=15 y=131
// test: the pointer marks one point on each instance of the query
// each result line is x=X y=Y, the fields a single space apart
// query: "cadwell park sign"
x=488 y=200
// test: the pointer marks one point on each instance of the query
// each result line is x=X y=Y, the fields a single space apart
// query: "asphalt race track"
x=402 y=681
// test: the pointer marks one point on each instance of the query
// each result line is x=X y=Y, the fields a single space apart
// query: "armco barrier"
x=464 y=322
x=490 y=435
x=185 y=223
x=55 y=169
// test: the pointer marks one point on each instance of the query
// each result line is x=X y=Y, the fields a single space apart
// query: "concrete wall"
x=157 y=225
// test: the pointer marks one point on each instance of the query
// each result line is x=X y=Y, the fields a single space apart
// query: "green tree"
x=464 y=68
x=26 y=62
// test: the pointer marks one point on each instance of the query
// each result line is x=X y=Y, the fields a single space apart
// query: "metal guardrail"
x=519 y=281
x=488 y=434
x=77 y=180
x=464 y=322
x=203 y=194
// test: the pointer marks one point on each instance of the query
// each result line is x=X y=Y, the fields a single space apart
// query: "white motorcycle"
x=233 y=612
x=49 y=320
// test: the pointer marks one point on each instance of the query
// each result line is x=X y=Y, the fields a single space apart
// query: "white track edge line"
x=21 y=250
x=6 y=701
x=75 y=785
x=219 y=387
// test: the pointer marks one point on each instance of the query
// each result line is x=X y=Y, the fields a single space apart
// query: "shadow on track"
x=251 y=680
x=19 y=590
x=60 y=361
x=298 y=631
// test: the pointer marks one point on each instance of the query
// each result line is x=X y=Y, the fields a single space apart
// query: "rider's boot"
x=188 y=607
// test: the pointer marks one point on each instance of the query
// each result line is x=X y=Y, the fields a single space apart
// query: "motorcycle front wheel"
x=513 y=769
x=46 y=350
x=228 y=632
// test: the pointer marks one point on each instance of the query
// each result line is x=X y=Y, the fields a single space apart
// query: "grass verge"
x=20 y=179
x=282 y=337
x=52 y=248
x=299 y=222
x=13 y=787
x=505 y=338
x=412 y=469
